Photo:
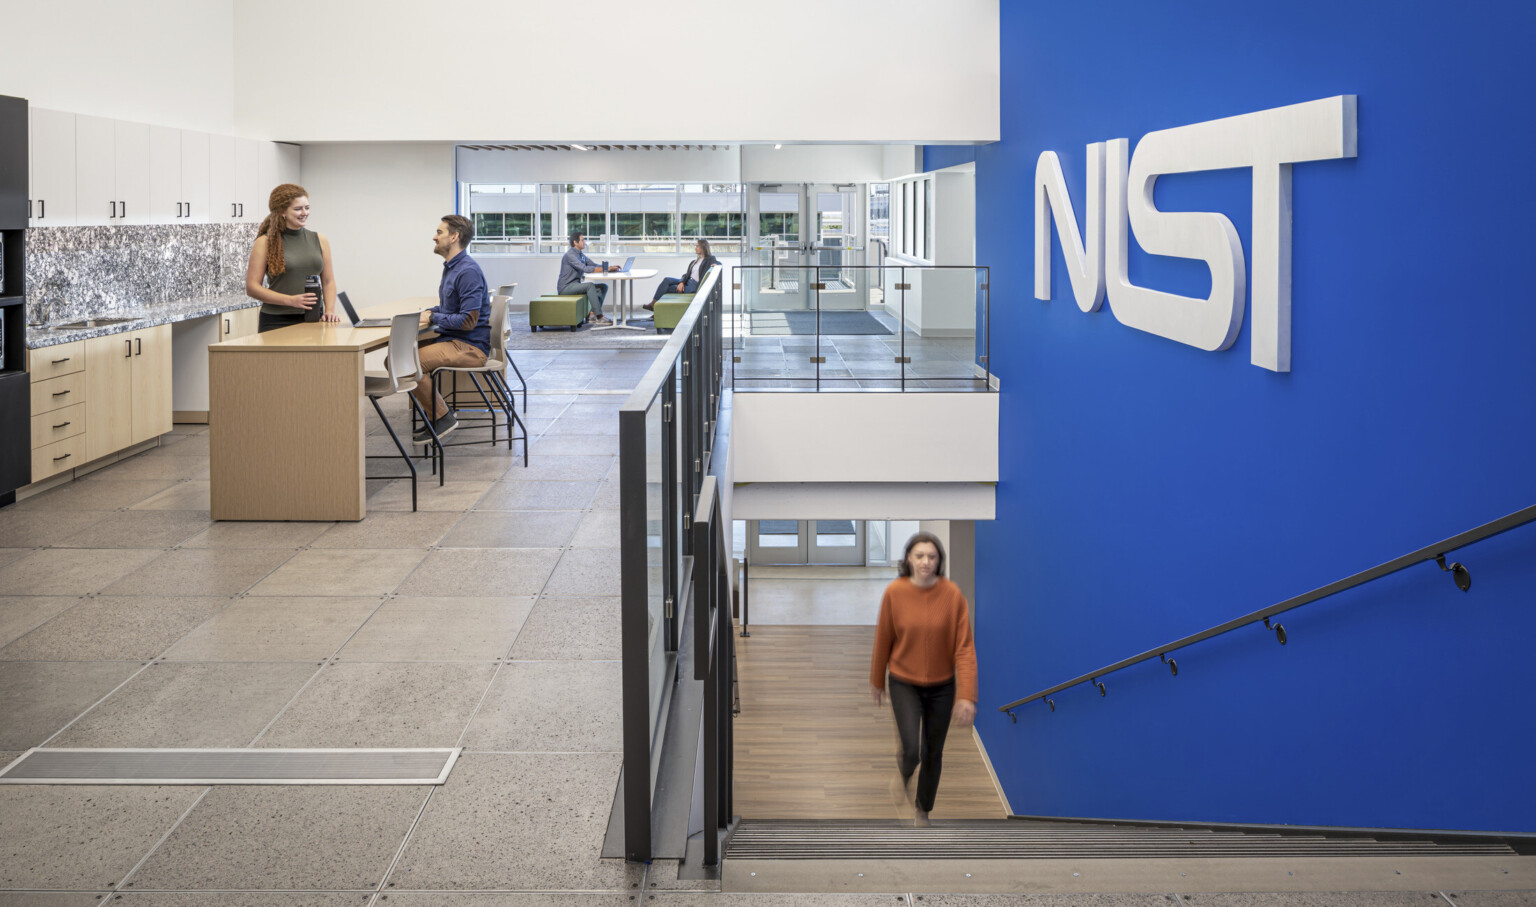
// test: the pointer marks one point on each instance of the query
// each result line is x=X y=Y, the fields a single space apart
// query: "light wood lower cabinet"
x=127 y=389
x=239 y=323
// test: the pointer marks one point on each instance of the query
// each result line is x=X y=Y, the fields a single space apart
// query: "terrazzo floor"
x=486 y=620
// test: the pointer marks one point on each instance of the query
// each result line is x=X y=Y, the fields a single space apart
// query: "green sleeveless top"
x=301 y=258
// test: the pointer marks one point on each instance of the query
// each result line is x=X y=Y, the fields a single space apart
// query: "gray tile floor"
x=488 y=620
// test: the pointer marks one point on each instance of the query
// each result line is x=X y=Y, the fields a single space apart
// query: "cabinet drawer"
x=57 y=457
x=57 y=393
x=48 y=428
x=53 y=361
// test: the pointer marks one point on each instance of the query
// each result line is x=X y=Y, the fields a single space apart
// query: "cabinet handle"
x=129 y=342
x=227 y=328
x=29 y=209
x=65 y=457
x=139 y=341
x=61 y=361
x=178 y=209
x=242 y=209
x=61 y=393
x=42 y=208
x=125 y=208
x=189 y=209
x=114 y=208
x=60 y=425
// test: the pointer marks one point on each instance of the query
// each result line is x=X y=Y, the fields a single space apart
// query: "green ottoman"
x=557 y=311
x=669 y=310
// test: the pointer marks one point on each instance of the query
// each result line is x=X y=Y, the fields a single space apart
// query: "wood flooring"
x=810 y=744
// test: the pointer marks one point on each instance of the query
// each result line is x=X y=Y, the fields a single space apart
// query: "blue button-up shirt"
x=463 y=310
x=573 y=267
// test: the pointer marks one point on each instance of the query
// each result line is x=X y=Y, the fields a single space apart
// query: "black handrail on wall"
x=1435 y=552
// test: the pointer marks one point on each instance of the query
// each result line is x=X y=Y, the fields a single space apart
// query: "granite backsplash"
x=89 y=271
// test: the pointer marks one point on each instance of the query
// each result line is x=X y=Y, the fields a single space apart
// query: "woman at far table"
x=689 y=282
x=285 y=254
x=923 y=638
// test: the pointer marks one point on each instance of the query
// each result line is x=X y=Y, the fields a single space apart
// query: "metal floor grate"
x=1014 y=840
x=230 y=766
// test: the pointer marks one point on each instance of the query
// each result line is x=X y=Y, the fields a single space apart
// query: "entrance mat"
x=231 y=766
x=832 y=323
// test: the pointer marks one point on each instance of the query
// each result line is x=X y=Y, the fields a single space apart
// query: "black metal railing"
x=1436 y=553
x=666 y=437
x=861 y=327
x=714 y=657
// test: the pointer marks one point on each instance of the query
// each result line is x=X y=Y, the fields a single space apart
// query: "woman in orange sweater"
x=924 y=639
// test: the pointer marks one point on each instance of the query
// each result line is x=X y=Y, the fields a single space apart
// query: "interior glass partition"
x=830 y=327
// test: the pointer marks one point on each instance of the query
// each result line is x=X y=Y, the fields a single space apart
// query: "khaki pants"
x=436 y=355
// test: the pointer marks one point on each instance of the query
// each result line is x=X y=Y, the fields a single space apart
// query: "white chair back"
x=506 y=289
x=404 y=363
x=499 y=328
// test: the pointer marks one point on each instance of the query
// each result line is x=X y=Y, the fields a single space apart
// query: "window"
x=617 y=218
x=909 y=218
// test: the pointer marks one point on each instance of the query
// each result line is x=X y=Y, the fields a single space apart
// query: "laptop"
x=360 y=322
x=628 y=263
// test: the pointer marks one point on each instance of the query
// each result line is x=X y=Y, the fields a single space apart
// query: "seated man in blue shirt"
x=461 y=318
x=573 y=267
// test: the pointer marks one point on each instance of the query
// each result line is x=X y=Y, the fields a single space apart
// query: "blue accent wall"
x=937 y=157
x=1150 y=489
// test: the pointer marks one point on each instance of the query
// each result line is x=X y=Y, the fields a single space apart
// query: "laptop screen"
x=628 y=263
x=347 y=304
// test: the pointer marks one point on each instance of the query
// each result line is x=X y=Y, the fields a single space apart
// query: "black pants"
x=266 y=322
x=922 y=722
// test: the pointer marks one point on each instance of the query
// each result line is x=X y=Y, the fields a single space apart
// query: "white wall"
x=378 y=205
x=854 y=437
x=864 y=500
x=166 y=62
x=813 y=163
x=400 y=69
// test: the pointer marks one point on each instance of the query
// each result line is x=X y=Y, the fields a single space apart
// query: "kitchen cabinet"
x=239 y=323
x=196 y=188
x=178 y=176
x=249 y=196
x=112 y=172
x=127 y=389
x=223 y=206
x=51 y=137
x=277 y=163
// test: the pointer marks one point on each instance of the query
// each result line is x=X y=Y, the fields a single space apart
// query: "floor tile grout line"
x=405 y=841
x=158 y=844
x=229 y=600
x=318 y=668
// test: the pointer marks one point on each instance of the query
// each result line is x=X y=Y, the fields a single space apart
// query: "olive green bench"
x=558 y=311
x=669 y=310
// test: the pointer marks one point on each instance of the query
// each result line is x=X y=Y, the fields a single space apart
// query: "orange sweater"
x=924 y=637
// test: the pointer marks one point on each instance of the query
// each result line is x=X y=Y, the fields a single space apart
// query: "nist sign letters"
x=1120 y=201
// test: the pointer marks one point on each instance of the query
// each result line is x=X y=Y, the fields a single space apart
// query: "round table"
x=623 y=283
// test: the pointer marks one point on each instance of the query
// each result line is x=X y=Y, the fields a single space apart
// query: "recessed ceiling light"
x=777 y=147
x=579 y=147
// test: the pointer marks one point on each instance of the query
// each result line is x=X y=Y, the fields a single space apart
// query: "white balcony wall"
x=926 y=456
x=166 y=62
x=613 y=70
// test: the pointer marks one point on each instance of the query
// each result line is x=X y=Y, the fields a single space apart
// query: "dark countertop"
x=167 y=313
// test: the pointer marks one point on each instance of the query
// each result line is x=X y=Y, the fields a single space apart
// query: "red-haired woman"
x=285 y=254
x=924 y=638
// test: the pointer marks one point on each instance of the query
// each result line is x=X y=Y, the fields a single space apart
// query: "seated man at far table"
x=573 y=267
x=461 y=318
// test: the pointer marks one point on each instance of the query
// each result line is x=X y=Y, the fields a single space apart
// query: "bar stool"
x=494 y=371
x=402 y=374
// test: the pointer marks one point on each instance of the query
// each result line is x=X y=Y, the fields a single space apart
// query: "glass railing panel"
x=939 y=337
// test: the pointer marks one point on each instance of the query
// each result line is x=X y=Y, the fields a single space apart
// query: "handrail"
x=1435 y=552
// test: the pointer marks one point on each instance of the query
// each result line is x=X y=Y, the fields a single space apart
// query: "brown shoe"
x=649 y=307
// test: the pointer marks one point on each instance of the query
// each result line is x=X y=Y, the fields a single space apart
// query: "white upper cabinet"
x=196 y=184
x=223 y=206
x=249 y=196
x=165 y=201
x=51 y=140
x=133 y=173
x=95 y=171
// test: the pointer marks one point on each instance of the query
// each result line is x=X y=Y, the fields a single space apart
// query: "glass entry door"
x=805 y=542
